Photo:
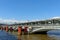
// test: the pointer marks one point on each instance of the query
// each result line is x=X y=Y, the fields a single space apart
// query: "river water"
x=35 y=37
x=15 y=36
x=6 y=36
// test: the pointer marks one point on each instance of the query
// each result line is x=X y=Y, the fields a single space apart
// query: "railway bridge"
x=40 y=25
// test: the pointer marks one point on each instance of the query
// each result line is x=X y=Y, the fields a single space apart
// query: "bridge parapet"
x=45 y=27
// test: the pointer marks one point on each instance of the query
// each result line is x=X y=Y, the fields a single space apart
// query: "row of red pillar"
x=19 y=29
x=5 y=28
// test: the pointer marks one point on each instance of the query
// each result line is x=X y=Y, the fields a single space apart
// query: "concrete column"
x=11 y=29
x=25 y=30
x=19 y=30
x=6 y=28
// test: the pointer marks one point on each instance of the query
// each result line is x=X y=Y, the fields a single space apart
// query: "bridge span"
x=40 y=28
x=40 y=25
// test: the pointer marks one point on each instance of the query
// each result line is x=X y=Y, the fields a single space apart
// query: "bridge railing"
x=45 y=25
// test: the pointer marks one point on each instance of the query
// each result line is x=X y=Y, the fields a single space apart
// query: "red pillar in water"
x=19 y=30
x=6 y=28
x=25 y=30
x=1 y=28
x=11 y=29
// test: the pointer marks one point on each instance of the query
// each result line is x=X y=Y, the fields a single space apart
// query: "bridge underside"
x=45 y=28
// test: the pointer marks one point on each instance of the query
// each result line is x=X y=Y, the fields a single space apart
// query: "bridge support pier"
x=19 y=30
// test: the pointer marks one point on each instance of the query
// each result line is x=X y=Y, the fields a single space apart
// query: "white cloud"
x=10 y=21
x=13 y=21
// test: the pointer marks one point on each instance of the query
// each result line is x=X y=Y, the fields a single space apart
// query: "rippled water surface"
x=35 y=37
x=6 y=36
x=10 y=36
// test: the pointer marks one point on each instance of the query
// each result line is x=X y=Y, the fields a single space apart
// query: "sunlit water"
x=51 y=35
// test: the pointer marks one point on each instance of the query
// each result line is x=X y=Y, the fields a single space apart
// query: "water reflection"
x=54 y=34
x=6 y=36
x=35 y=37
x=19 y=37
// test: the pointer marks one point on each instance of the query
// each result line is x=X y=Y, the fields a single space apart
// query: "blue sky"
x=29 y=9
